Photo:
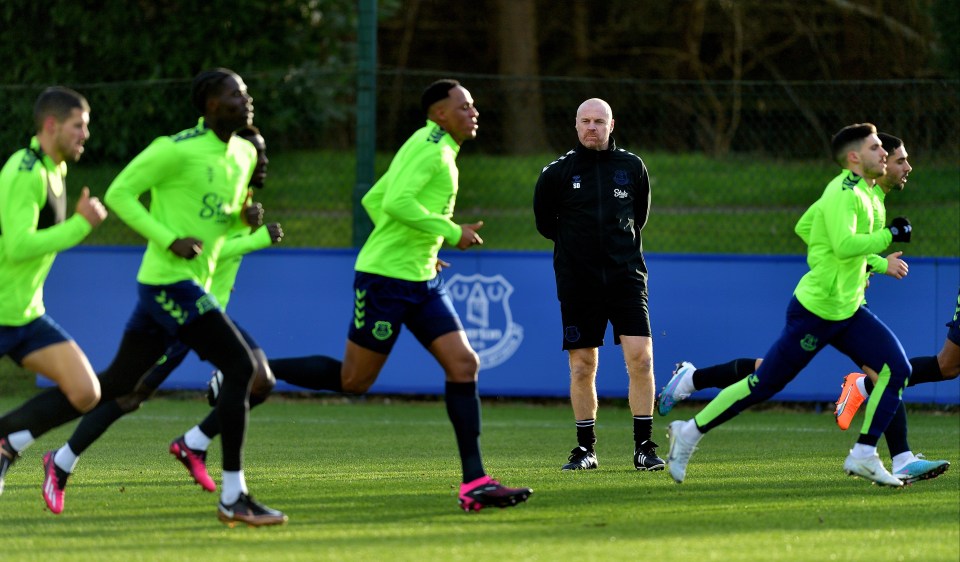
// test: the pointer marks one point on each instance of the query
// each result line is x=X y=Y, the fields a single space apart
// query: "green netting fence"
x=733 y=164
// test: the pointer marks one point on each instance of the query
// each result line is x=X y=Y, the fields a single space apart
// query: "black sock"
x=896 y=432
x=869 y=440
x=215 y=339
x=40 y=414
x=210 y=426
x=925 y=369
x=93 y=424
x=316 y=372
x=463 y=408
x=723 y=375
x=586 y=434
x=642 y=429
x=868 y=385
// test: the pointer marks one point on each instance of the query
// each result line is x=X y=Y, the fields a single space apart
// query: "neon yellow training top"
x=411 y=207
x=33 y=228
x=842 y=234
x=197 y=186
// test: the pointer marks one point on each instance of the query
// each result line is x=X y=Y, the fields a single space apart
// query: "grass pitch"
x=377 y=480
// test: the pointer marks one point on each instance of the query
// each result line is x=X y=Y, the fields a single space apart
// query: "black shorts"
x=585 y=320
x=382 y=305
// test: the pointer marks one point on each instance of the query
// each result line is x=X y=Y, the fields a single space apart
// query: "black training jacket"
x=593 y=205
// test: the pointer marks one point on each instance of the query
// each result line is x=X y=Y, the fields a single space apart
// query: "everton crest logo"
x=483 y=304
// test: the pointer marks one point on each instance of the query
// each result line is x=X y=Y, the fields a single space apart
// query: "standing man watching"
x=593 y=203
x=33 y=228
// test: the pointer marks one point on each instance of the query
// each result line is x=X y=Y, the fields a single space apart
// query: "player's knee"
x=263 y=381
x=130 y=402
x=356 y=385
x=470 y=364
x=84 y=399
x=949 y=362
x=464 y=368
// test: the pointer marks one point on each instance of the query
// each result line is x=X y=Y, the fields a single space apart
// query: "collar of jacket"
x=611 y=146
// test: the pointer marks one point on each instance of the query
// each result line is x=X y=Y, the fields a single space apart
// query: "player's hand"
x=276 y=233
x=469 y=236
x=187 y=248
x=896 y=267
x=441 y=264
x=253 y=215
x=900 y=229
x=91 y=208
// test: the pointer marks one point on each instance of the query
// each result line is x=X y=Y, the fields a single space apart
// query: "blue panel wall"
x=704 y=309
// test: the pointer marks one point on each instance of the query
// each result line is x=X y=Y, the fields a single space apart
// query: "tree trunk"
x=522 y=105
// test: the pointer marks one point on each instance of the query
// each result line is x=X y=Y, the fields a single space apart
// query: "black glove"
x=276 y=233
x=187 y=248
x=901 y=229
x=253 y=215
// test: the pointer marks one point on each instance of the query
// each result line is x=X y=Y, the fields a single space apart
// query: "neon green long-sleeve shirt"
x=877 y=263
x=843 y=230
x=33 y=229
x=197 y=186
x=240 y=242
x=411 y=207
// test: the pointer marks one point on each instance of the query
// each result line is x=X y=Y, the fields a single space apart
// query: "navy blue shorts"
x=381 y=305
x=20 y=341
x=585 y=320
x=167 y=308
x=953 y=331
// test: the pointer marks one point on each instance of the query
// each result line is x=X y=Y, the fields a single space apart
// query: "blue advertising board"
x=704 y=308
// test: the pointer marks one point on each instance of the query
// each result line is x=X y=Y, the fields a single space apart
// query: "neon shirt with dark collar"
x=876 y=262
x=33 y=229
x=411 y=208
x=841 y=235
x=197 y=185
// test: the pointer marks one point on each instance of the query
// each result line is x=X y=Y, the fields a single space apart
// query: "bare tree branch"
x=890 y=23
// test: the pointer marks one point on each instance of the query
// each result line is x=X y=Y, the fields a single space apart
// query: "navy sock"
x=316 y=372
x=463 y=408
x=93 y=424
x=40 y=414
x=210 y=426
x=925 y=369
x=896 y=432
x=723 y=375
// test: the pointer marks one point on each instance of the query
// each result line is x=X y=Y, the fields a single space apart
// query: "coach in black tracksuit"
x=593 y=202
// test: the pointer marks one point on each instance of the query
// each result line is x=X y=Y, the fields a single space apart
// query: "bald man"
x=593 y=202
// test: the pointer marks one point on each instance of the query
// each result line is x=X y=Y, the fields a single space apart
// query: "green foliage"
x=377 y=480
x=159 y=39
x=946 y=20
x=297 y=54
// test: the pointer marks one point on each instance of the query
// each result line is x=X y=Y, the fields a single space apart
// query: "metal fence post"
x=366 y=115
